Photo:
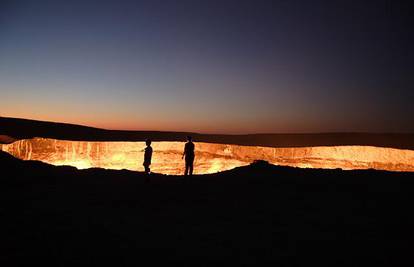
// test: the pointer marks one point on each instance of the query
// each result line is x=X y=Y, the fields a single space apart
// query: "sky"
x=211 y=66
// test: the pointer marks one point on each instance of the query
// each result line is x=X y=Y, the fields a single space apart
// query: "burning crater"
x=210 y=158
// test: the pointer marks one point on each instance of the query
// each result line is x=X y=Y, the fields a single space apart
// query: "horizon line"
x=201 y=133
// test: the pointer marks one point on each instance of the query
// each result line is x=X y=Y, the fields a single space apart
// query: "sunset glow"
x=208 y=66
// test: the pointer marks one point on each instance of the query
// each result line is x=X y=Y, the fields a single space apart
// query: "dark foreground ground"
x=258 y=214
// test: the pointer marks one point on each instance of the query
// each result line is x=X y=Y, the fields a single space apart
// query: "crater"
x=210 y=157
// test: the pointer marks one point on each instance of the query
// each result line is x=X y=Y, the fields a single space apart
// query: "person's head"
x=189 y=138
x=148 y=142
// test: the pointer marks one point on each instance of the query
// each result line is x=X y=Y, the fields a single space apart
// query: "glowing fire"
x=210 y=158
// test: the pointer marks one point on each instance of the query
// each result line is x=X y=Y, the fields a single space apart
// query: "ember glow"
x=210 y=158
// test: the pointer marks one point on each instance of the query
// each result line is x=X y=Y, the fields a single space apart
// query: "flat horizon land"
x=19 y=128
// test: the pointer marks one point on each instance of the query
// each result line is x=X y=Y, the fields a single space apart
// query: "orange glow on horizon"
x=128 y=123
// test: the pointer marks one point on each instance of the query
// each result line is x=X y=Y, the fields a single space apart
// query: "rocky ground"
x=261 y=213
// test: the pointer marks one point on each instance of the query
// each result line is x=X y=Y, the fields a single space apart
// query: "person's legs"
x=189 y=166
x=147 y=168
x=191 y=169
x=147 y=172
x=186 y=168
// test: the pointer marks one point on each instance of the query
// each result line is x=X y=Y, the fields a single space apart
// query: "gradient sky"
x=210 y=66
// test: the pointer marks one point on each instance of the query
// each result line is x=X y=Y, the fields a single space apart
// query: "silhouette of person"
x=147 y=156
x=189 y=156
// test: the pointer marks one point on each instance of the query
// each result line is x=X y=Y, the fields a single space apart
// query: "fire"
x=210 y=158
x=80 y=164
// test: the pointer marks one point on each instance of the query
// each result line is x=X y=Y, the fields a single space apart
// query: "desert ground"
x=255 y=214
x=260 y=213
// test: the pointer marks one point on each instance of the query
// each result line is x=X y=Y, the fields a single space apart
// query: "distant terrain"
x=5 y=139
x=23 y=128
x=61 y=216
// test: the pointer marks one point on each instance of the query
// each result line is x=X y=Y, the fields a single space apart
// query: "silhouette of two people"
x=189 y=156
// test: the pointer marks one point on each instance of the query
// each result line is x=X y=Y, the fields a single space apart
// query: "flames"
x=210 y=158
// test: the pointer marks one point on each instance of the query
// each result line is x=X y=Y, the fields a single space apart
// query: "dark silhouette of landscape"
x=255 y=214
x=23 y=128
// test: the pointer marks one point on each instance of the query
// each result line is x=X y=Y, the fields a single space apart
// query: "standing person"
x=147 y=156
x=189 y=156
